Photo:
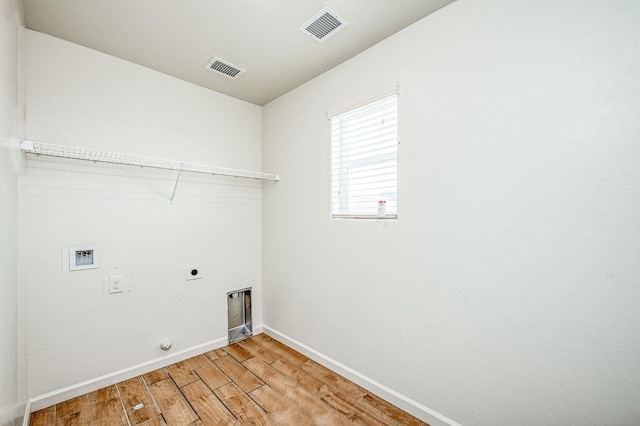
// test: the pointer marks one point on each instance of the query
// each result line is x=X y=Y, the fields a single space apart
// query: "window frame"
x=342 y=112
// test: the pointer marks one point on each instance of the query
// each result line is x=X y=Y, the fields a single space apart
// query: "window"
x=364 y=157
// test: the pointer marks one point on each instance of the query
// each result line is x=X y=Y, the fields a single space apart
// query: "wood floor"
x=257 y=381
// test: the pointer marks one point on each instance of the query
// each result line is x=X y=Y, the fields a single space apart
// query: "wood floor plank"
x=206 y=405
x=212 y=376
x=155 y=421
x=285 y=368
x=388 y=412
x=76 y=411
x=280 y=351
x=270 y=376
x=241 y=405
x=208 y=372
x=103 y=395
x=108 y=414
x=317 y=409
x=310 y=403
x=238 y=352
x=44 y=417
x=274 y=385
x=304 y=380
x=334 y=382
x=199 y=361
x=351 y=411
x=173 y=406
x=280 y=409
x=106 y=407
x=133 y=392
x=155 y=376
x=182 y=373
x=257 y=351
x=215 y=354
x=71 y=406
x=73 y=419
x=245 y=379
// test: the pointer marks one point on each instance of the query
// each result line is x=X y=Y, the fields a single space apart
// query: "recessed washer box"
x=239 y=314
x=83 y=257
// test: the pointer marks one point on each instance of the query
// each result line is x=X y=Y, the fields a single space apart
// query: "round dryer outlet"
x=192 y=273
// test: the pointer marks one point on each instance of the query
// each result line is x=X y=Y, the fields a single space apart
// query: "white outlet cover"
x=116 y=284
x=192 y=273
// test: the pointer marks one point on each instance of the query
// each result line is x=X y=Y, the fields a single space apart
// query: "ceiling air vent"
x=323 y=25
x=225 y=68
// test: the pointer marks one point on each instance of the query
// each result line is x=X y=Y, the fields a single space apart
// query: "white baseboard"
x=59 y=395
x=407 y=404
x=27 y=413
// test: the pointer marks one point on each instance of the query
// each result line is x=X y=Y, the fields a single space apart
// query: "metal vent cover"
x=225 y=68
x=323 y=25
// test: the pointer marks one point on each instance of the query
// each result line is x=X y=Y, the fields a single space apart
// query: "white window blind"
x=364 y=156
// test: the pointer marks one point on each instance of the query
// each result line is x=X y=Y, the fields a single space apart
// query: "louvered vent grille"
x=224 y=68
x=323 y=25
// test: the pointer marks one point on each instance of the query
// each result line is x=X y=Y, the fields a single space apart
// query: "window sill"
x=365 y=217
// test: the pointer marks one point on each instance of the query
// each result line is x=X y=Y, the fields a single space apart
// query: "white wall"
x=507 y=291
x=80 y=97
x=12 y=381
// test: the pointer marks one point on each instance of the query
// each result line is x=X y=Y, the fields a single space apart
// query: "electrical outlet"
x=115 y=284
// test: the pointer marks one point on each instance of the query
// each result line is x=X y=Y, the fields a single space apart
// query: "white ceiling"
x=179 y=37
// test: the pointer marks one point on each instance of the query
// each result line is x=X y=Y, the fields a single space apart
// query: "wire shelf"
x=62 y=151
x=38 y=148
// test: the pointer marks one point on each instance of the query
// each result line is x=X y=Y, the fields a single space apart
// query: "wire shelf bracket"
x=38 y=148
